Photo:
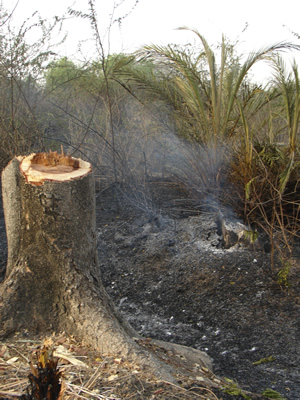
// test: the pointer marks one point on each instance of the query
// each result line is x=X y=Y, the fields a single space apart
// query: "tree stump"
x=53 y=280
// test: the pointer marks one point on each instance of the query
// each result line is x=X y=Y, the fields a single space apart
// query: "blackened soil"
x=171 y=278
x=169 y=275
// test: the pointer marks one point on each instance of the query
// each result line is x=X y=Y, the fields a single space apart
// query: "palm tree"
x=215 y=103
x=204 y=95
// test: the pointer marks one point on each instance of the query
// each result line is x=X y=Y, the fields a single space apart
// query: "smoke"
x=143 y=149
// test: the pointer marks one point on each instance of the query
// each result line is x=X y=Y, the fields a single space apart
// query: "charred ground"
x=167 y=271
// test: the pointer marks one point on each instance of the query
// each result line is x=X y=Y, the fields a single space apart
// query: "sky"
x=136 y=23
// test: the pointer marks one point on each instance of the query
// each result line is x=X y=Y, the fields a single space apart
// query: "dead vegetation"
x=83 y=374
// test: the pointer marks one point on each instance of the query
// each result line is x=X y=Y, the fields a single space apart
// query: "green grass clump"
x=272 y=394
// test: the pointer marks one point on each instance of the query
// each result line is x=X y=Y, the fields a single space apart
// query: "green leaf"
x=272 y=394
x=251 y=235
x=234 y=390
x=264 y=360
x=248 y=188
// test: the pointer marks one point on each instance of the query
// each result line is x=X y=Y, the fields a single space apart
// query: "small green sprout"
x=233 y=389
x=272 y=394
x=251 y=235
x=264 y=360
x=282 y=275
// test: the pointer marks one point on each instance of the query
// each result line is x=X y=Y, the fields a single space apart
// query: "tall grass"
x=289 y=89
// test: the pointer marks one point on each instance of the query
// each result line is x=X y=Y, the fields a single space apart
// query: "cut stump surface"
x=53 y=166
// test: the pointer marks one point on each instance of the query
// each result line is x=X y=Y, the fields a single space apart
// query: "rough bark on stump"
x=53 y=281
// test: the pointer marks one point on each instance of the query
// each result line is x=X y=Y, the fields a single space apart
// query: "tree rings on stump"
x=53 y=166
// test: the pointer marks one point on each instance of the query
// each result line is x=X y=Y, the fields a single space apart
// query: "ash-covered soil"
x=172 y=279
x=168 y=273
